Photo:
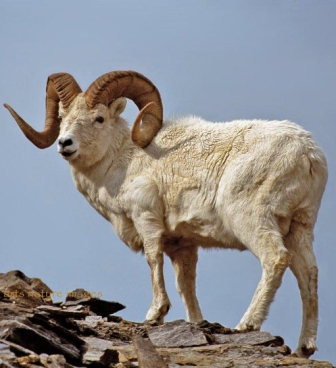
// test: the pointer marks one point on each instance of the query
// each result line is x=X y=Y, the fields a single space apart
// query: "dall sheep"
x=175 y=186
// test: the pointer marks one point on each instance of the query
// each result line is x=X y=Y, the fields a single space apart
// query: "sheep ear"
x=117 y=106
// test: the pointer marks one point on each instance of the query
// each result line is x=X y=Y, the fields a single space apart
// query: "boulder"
x=21 y=289
x=177 y=334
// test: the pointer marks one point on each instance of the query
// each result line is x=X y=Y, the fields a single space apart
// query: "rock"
x=122 y=358
x=35 y=334
x=248 y=338
x=100 y=351
x=66 y=312
x=53 y=361
x=4 y=364
x=95 y=343
x=44 y=360
x=16 y=349
x=87 y=326
x=40 y=340
x=127 y=354
x=3 y=297
x=54 y=327
x=120 y=333
x=214 y=328
x=6 y=355
x=115 y=319
x=17 y=287
x=93 y=321
x=148 y=357
x=11 y=310
x=83 y=329
x=177 y=334
x=100 y=307
x=28 y=359
x=77 y=295
x=222 y=356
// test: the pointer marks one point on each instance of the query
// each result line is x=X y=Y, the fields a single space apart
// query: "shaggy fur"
x=253 y=185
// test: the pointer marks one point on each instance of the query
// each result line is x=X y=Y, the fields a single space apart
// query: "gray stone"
x=53 y=361
x=247 y=338
x=100 y=351
x=40 y=340
x=100 y=307
x=177 y=334
x=70 y=312
x=5 y=364
x=93 y=321
x=6 y=354
x=148 y=357
x=16 y=349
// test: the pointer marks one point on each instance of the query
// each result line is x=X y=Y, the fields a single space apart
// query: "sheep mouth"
x=67 y=154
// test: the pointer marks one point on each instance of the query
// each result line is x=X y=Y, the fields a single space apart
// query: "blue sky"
x=221 y=60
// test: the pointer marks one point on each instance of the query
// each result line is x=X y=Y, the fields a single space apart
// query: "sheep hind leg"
x=184 y=260
x=274 y=259
x=303 y=265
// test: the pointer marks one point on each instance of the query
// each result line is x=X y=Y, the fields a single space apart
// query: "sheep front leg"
x=147 y=213
x=160 y=304
x=151 y=230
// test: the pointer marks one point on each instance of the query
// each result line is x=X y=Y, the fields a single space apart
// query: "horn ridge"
x=66 y=87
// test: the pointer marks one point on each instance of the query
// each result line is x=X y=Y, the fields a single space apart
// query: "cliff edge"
x=83 y=331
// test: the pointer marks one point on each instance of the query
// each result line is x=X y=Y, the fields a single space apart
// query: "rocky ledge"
x=83 y=331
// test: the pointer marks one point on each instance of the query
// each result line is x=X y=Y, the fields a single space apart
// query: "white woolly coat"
x=210 y=182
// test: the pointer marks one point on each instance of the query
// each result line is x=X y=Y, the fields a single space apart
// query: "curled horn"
x=141 y=91
x=60 y=87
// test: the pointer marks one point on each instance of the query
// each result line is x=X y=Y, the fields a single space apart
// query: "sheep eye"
x=100 y=119
x=59 y=118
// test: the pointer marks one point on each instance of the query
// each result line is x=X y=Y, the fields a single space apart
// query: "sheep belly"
x=195 y=221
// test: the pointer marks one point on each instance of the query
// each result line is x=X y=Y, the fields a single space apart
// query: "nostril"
x=67 y=142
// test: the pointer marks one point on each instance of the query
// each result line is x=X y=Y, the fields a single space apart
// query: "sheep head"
x=65 y=101
x=87 y=134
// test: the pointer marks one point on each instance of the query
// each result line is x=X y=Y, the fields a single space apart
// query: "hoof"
x=155 y=316
x=244 y=327
x=153 y=323
x=304 y=352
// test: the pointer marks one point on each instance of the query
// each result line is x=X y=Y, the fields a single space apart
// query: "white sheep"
x=189 y=183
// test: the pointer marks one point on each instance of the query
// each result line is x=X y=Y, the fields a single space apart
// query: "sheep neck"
x=101 y=183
